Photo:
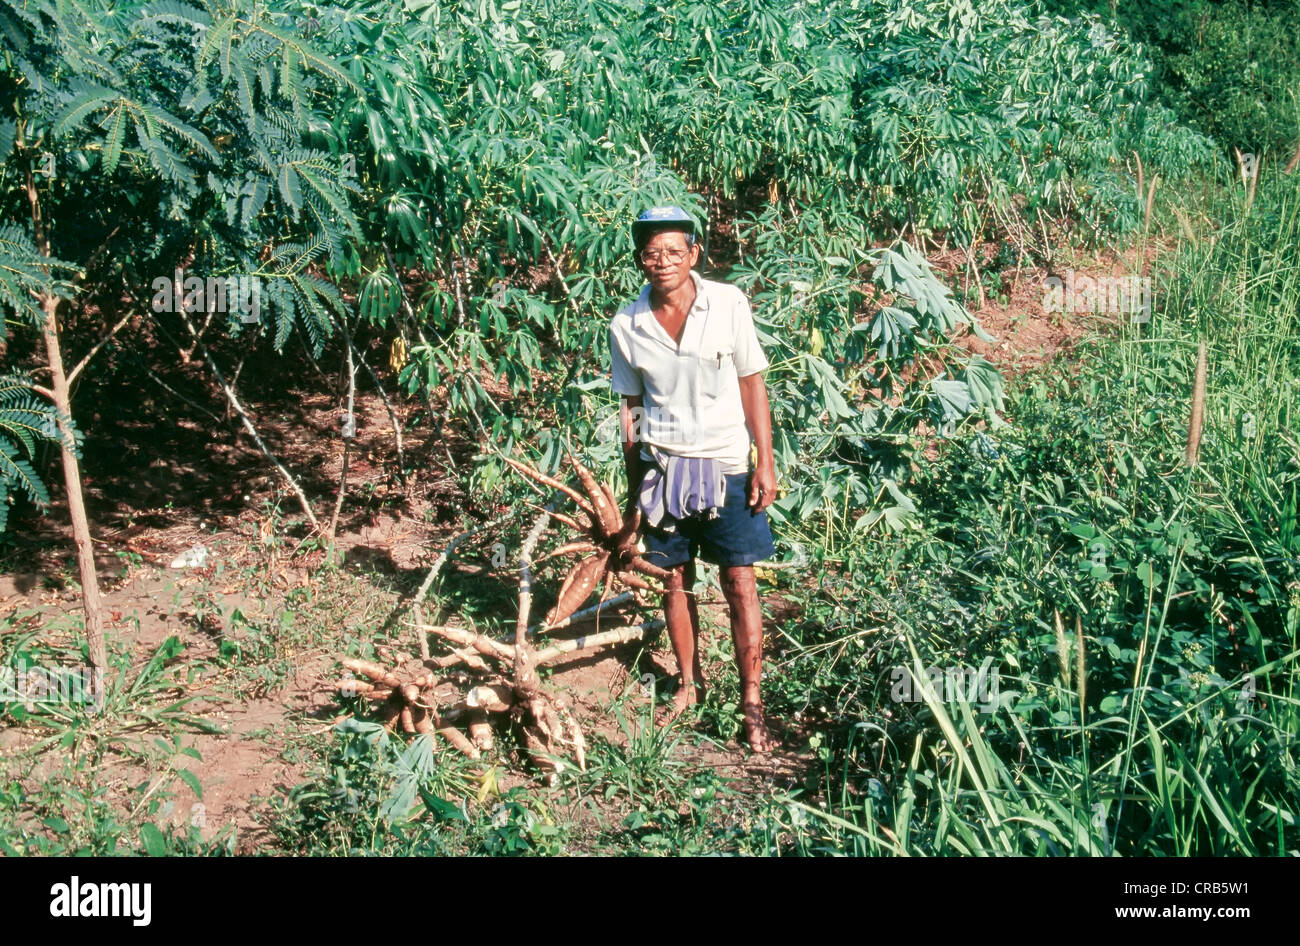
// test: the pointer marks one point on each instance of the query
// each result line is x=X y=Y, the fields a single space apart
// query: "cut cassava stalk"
x=480 y=642
x=614 y=636
x=547 y=733
x=525 y=676
x=585 y=613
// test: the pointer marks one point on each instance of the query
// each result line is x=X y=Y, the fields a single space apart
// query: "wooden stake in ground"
x=1198 y=409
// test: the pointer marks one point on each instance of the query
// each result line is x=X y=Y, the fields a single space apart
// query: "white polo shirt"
x=691 y=393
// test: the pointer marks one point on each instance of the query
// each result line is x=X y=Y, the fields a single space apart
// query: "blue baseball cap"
x=663 y=218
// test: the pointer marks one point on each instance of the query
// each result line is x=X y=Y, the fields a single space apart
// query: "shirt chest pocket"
x=715 y=371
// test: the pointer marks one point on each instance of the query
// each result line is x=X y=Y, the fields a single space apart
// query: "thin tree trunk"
x=388 y=406
x=347 y=441
x=617 y=635
x=71 y=468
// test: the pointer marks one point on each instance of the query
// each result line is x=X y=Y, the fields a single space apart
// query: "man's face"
x=666 y=260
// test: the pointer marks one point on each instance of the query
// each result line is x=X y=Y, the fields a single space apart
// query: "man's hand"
x=625 y=539
x=762 y=487
x=758 y=418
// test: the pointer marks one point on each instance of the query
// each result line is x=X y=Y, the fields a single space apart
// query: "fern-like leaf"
x=88 y=101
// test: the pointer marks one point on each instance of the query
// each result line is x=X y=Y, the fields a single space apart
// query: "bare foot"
x=687 y=695
x=757 y=734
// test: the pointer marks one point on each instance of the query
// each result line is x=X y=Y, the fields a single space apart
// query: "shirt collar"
x=701 y=303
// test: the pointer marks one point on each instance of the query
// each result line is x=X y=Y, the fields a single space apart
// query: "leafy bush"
x=1229 y=68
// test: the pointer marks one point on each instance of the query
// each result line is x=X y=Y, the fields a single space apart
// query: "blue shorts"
x=737 y=537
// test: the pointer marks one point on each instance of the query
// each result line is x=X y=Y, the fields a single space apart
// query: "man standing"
x=687 y=362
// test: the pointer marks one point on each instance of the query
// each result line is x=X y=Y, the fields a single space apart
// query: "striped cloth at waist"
x=676 y=487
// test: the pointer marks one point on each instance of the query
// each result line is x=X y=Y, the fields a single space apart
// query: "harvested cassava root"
x=414 y=698
x=409 y=698
x=606 y=561
x=429 y=695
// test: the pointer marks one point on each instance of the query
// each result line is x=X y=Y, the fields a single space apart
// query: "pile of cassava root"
x=455 y=696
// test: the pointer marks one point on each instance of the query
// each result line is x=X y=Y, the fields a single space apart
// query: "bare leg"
x=741 y=591
x=683 y=620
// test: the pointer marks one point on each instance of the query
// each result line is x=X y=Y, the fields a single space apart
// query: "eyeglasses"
x=653 y=256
